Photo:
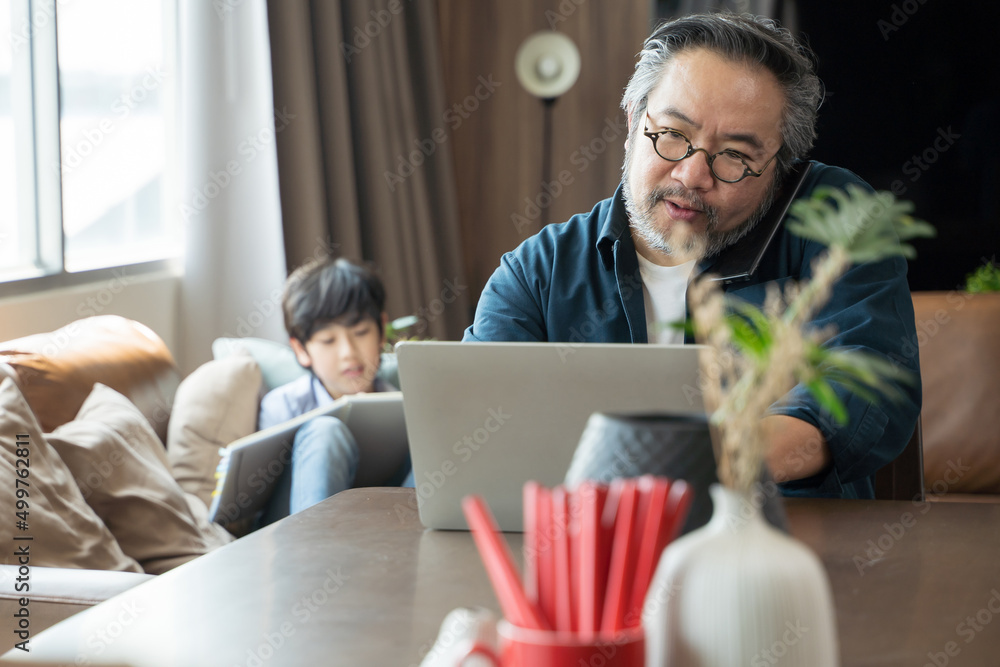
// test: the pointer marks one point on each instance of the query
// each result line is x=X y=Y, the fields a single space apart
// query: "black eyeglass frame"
x=747 y=171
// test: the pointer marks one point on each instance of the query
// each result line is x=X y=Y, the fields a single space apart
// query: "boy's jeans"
x=324 y=461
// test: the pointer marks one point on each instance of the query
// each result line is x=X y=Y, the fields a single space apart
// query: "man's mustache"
x=684 y=197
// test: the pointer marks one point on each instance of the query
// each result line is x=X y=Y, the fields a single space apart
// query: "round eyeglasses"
x=727 y=166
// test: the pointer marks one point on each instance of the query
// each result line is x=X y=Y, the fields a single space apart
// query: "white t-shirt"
x=664 y=289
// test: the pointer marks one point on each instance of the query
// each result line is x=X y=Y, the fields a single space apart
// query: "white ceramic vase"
x=739 y=592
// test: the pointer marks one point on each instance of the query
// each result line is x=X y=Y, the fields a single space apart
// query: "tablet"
x=257 y=461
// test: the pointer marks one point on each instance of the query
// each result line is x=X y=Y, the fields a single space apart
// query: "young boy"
x=335 y=318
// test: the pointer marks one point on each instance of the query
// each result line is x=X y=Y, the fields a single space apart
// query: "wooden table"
x=357 y=581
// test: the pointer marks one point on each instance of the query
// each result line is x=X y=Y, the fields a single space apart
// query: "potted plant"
x=723 y=593
x=984 y=279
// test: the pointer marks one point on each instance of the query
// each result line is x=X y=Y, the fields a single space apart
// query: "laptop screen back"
x=486 y=417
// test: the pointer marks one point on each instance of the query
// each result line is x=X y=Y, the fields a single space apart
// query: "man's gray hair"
x=754 y=40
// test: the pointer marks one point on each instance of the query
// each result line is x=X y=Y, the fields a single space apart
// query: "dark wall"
x=497 y=142
x=913 y=103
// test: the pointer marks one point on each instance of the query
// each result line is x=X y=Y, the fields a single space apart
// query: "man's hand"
x=797 y=449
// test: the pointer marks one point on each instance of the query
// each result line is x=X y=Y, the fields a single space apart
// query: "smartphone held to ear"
x=739 y=262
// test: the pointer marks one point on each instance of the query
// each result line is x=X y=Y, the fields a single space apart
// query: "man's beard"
x=674 y=242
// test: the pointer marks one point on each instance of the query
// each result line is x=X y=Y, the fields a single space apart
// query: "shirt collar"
x=614 y=228
x=319 y=391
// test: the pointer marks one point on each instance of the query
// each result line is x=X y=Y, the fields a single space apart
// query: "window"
x=84 y=127
x=14 y=183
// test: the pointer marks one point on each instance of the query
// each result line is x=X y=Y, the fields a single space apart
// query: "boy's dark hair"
x=325 y=290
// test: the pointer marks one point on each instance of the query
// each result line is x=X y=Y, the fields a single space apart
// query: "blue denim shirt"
x=579 y=282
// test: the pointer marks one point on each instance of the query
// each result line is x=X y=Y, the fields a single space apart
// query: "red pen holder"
x=524 y=647
x=590 y=554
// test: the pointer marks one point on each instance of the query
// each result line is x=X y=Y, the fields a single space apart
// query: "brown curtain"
x=364 y=160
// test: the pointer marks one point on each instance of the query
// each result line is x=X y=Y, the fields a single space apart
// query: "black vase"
x=666 y=445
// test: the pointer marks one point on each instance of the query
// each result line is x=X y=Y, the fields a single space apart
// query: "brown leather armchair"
x=957 y=338
x=55 y=372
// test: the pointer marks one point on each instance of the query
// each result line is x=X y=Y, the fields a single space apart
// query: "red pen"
x=500 y=567
x=573 y=503
x=546 y=561
x=651 y=527
x=619 y=574
x=530 y=500
x=593 y=559
x=560 y=530
x=678 y=504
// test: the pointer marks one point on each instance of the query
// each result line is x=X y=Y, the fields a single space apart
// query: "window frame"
x=35 y=86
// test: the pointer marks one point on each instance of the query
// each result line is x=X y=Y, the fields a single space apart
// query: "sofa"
x=126 y=450
x=957 y=334
x=50 y=394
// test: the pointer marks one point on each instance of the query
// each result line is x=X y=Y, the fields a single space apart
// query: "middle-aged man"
x=721 y=109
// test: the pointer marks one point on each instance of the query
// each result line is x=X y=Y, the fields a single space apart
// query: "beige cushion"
x=214 y=406
x=65 y=530
x=122 y=470
x=957 y=335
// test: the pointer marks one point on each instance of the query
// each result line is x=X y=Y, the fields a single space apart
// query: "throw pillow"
x=214 y=406
x=124 y=474
x=65 y=531
x=277 y=362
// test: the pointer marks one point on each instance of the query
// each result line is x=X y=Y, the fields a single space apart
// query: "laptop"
x=486 y=417
x=257 y=461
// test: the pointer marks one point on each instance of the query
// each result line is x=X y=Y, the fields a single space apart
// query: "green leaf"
x=828 y=399
x=869 y=376
x=751 y=329
x=687 y=326
x=404 y=322
x=984 y=279
x=745 y=337
x=865 y=226
x=396 y=329
x=868 y=226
